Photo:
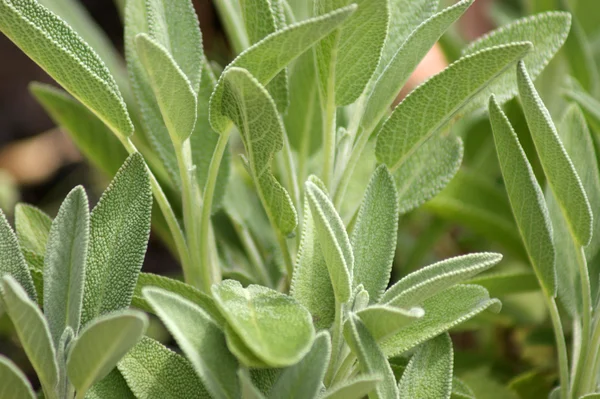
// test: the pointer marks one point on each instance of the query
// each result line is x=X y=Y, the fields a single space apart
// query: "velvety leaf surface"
x=383 y=321
x=14 y=382
x=32 y=226
x=111 y=386
x=355 y=388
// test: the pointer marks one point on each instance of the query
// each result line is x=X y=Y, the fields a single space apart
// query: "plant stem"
x=287 y=258
x=335 y=343
x=253 y=253
x=233 y=25
x=357 y=151
x=592 y=364
x=329 y=133
x=561 y=346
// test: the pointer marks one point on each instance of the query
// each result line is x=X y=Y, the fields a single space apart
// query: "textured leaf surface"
x=383 y=321
x=418 y=286
x=526 y=199
x=111 y=386
x=64 y=267
x=356 y=388
x=14 y=382
x=119 y=231
x=276 y=328
x=32 y=226
x=249 y=391
x=429 y=372
x=52 y=44
x=12 y=262
x=200 y=339
x=153 y=371
x=237 y=346
x=417 y=118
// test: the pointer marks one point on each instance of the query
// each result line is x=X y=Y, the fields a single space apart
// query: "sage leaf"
x=32 y=226
x=370 y=357
x=101 y=344
x=558 y=167
x=526 y=199
x=355 y=388
x=64 y=264
x=304 y=379
x=588 y=104
x=33 y=332
x=200 y=339
x=61 y=52
x=237 y=346
x=14 y=382
x=249 y=391
x=429 y=372
x=383 y=321
x=460 y=390
x=119 y=231
x=276 y=328
x=416 y=118
x=111 y=386
x=374 y=235
x=154 y=371
x=443 y=311
x=334 y=240
x=507 y=283
x=418 y=286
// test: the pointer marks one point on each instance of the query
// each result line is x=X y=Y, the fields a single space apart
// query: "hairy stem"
x=336 y=342
x=329 y=133
x=581 y=371
x=561 y=346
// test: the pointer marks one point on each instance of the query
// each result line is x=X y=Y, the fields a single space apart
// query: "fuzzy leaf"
x=200 y=339
x=153 y=371
x=237 y=346
x=507 y=283
x=64 y=265
x=588 y=104
x=111 y=386
x=374 y=235
x=356 y=388
x=32 y=226
x=370 y=357
x=429 y=372
x=417 y=118
x=249 y=391
x=119 y=231
x=526 y=199
x=32 y=329
x=383 y=321
x=14 y=382
x=418 y=286
x=52 y=44
x=101 y=344
x=276 y=328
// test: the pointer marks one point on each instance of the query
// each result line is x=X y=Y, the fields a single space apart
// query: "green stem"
x=357 y=151
x=253 y=253
x=233 y=24
x=329 y=132
x=580 y=370
x=290 y=171
x=335 y=343
x=345 y=368
x=285 y=251
x=592 y=365
x=561 y=346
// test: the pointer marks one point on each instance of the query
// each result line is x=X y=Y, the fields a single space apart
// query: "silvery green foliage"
x=327 y=170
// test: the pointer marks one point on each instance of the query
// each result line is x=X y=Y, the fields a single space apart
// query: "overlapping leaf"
x=32 y=226
x=14 y=382
x=383 y=321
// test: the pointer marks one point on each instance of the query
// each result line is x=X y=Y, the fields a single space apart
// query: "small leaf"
x=200 y=339
x=32 y=330
x=64 y=266
x=374 y=235
x=418 y=286
x=507 y=283
x=334 y=241
x=275 y=328
x=355 y=388
x=14 y=382
x=417 y=119
x=52 y=44
x=526 y=199
x=119 y=231
x=383 y=321
x=101 y=344
x=370 y=357
x=111 y=386
x=429 y=372
x=32 y=226
x=153 y=371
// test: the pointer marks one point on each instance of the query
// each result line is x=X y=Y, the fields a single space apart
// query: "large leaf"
x=153 y=371
x=428 y=281
x=276 y=328
x=14 y=382
x=355 y=388
x=526 y=199
x=119 y=231
x=52 y=44
x=64 y=266
x=32 y=226
x=429 y=372
x=101 y=344
x=112 y=386
x=383 y=321
x=417 y=118
x=200 y=339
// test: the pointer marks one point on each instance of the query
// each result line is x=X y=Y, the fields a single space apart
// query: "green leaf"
x=580 y=56
x=91 y=136
x=304 y=379
x=398 y=67
x=237 y=346
x=32 y=330
x=14 y=382
x=112 y=386
x=526 y=199
x=334 y=241
x=200 y=339
x=101 y=344
x=12 y=262
x=249 y=391
x=276 y=328
x=383 y=321
x=507 y=283
x=374 y=235
x=348 y=57
x=370 y=357
x=64 y=265
x=119 y=231
x=418 y=286
x=32 y=226
x=267 y=58
x=460 y=390
x=244 y=98
x=545 y=31
x=153 y=371
x=588 y=104
x=415 y=120
x=52 y=44
x=429 y=372
x=355 y=388
x=443 y=311
x=173 y=91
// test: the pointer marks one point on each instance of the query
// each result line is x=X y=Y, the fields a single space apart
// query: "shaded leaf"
x=355 y=388
x=111 y=386
x=383 y=321
x=14 y=382
x=32 y=226
x=507 y=283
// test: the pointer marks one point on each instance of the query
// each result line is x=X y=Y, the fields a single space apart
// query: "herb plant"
x=279 y=183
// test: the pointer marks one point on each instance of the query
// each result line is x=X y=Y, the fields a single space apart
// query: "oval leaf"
x=383 y=321
x=14 y=382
